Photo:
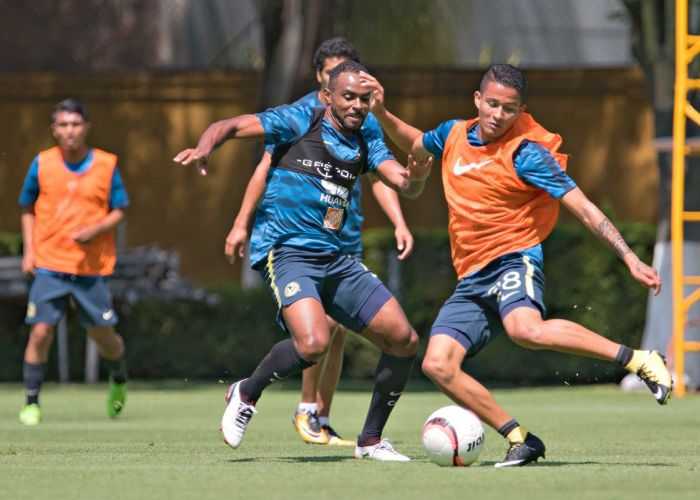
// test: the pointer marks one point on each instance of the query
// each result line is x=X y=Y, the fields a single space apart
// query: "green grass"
x=601 y=443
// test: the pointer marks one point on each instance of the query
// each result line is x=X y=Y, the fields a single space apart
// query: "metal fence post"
x=62 y=346
x=92 y=361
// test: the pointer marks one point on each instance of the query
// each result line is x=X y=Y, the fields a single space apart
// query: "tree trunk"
x=292 y=31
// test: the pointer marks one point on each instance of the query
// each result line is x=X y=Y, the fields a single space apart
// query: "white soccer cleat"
x=655 y=375
x=382 y=451
x=236 y=416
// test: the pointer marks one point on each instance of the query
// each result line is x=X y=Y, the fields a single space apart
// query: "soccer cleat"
x=334 y=439
x=30 y=414
x=309 y=428
x=520 y=454
x=382 y=451
x=236 y=417
x=116 y=397
x=655 y=375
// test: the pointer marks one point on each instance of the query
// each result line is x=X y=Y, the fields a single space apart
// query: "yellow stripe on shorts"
x=271 y=274
x=529 y=273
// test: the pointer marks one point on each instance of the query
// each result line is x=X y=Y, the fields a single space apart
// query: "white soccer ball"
x=453 y=437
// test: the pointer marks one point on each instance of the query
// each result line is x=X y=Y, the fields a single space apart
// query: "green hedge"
x=587 y=283
x=10 y=244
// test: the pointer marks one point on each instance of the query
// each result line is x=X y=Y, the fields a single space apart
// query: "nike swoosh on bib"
x=460 y=169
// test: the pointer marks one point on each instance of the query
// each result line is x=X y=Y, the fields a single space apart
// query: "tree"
x=292 y=29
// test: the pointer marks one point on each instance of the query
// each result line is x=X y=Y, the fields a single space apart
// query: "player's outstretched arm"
x=600 y=225
x=408 y=180
x=237 y=238
x=389 y=201
x=407 y=137
x=238 y=127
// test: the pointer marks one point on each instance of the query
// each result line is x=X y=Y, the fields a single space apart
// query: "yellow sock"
x=638 y=358
x=517 y=435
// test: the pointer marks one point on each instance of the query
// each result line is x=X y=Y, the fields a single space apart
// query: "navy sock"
x=33 y=376
x=282 y=360
x=389 y=381
x=117 y=369
x=505 y=429
x=624 y=355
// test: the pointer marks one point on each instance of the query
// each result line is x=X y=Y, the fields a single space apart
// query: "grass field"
x=601 y=443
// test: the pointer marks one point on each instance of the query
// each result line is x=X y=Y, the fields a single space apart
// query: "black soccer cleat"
x=520 y=454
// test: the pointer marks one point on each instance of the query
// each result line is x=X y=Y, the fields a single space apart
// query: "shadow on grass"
x=307 y=459
x=554 y=463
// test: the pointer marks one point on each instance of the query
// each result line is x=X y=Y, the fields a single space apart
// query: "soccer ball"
x=453 y=437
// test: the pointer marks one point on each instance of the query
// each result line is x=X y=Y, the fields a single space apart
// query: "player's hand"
x=28 y=264
x=419 y=168
x=236 y=242
x=404 y=241
x=84 y=235
x=377 y=104
x=193 y=155
x=646 y=275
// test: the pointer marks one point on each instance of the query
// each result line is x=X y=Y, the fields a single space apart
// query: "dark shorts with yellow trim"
x=350 y=293
x=50 y=292
x=473 y=314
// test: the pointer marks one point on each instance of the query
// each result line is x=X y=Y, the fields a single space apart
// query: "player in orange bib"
x=504 y=178
x=72 y=198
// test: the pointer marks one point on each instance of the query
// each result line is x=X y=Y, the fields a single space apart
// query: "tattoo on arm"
x=612 y=237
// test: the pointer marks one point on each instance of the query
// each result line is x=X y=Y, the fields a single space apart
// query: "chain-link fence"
x=158 y=35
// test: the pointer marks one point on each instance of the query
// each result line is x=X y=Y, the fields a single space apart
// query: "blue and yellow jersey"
x=307 y=208
x=351 y=235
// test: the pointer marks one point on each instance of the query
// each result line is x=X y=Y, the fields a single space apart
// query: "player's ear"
x=326 y=96
x=477 y=99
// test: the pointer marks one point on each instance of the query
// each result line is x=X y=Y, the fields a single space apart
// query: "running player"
x=319 y=381
x=503 y=177
x=296 y=247
x=72 y=198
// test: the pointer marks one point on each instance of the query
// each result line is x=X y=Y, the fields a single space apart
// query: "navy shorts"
x=473 y=314
x=350 y=293
x=49 y=294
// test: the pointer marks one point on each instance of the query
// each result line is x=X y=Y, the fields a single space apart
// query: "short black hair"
x=344 y=67
x=70 y=106
x=506 y=75
x=334 y=47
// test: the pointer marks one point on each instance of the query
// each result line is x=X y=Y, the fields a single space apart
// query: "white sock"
x=308 y=407
x=324 y=421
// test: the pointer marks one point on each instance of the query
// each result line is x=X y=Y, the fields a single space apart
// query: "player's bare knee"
x=438 y=370
x=312 y=348
x=530 y=336
x=41 y=334
x=405 y=342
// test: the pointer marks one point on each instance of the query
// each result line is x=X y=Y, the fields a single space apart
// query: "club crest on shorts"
x=291 y=289
x=334 y=218
x=31 y=310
